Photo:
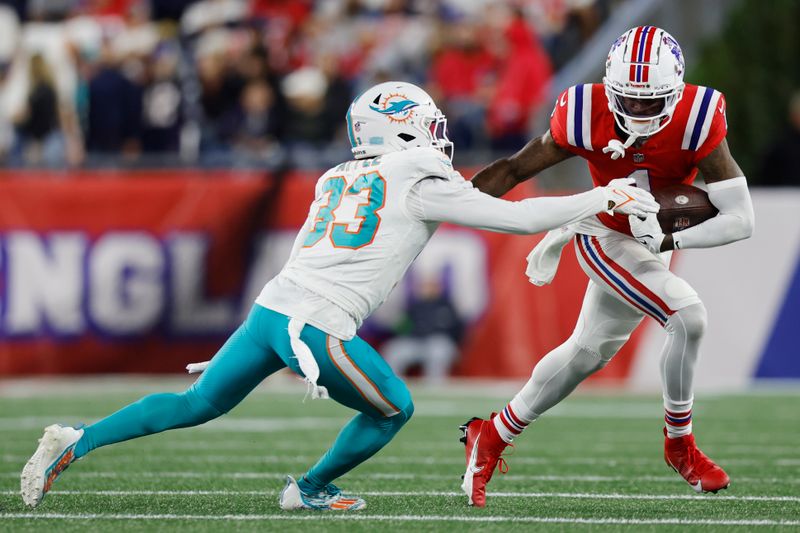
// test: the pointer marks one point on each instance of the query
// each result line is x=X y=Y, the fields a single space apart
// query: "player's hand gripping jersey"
x=583 y=124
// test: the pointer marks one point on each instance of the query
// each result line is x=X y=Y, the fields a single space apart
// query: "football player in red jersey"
x=642 y=122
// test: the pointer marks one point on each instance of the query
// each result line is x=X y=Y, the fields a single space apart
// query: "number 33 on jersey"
x=348 y=215
x=359 y=237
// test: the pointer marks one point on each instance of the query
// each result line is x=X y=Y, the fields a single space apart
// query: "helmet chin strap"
x=617 y=148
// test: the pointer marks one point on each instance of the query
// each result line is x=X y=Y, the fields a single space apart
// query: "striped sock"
x=678 y=423
x=508 y=423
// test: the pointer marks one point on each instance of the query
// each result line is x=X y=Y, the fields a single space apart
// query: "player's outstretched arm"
x=458 y=202
x=727 y=190
x=504 y=174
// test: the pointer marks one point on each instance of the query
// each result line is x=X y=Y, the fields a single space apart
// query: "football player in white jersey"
x=369 y=219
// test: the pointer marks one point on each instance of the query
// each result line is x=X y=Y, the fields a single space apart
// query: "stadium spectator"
x=338 y=96
x=9 y=35
x=219 y=92
x=107 y=8
x=521 y=85
x=400 y=37
x=433 y=332
x=137 y=36
x=115 y=109
x=564 y=25
x=307 y=120
x=251 y=126
x=46 y=124
x=461 y=75
x=481 y=58
x=169 y=9
x=161 y=104
x=37 y=121
x=207 y=14
x=781 y=166
x=47 y=10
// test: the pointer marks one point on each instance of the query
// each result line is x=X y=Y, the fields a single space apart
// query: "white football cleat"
x=54 y=454
x=330 y=498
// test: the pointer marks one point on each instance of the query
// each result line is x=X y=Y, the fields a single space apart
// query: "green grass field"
x=593 y=464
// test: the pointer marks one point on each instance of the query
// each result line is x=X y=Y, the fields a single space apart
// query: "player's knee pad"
x=588 y=362
x=678 y=293
x=690 y=321
x=584 y=360
x=605 y=339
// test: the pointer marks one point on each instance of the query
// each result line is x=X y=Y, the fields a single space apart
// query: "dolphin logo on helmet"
x=395 y=108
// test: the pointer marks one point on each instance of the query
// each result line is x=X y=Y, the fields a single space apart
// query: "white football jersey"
x=358 y=240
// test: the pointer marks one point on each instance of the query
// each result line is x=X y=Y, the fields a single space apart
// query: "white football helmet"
x=393 y=116
x=645 y=63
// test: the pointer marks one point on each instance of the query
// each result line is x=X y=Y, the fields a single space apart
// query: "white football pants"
x=627 y=283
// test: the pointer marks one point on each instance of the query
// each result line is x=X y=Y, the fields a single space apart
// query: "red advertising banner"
x=145 y=271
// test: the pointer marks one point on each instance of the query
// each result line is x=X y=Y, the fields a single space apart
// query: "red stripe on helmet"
x=632 y=75
x=649 y=45
x=636 y=44
x=645 y=72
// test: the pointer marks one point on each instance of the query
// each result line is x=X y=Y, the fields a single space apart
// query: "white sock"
x=508 y=423
x=678 y=418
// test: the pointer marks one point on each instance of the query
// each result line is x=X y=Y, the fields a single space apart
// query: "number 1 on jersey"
x=366 y=212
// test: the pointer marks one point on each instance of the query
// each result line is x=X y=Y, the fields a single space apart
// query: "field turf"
x=594 y=463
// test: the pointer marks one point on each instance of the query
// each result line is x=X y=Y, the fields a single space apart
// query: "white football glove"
x=624 y=198
x=648 y=232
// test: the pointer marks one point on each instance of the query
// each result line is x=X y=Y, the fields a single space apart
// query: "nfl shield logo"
x=681 y=223
x=638 y=158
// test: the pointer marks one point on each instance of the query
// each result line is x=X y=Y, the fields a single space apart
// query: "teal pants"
x=353 y=372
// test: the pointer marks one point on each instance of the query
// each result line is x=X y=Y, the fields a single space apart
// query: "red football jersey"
x=583 y=124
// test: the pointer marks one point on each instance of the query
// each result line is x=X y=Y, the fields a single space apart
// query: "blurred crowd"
x=226 y=81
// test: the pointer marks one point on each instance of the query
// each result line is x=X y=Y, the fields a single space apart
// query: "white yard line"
x=402 y=476
x=407 y=518
x=449 y=494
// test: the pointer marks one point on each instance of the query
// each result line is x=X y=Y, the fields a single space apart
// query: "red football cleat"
x=483 y=448
x=683 y=455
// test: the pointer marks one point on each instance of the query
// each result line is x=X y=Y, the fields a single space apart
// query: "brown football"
x=682 y=206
